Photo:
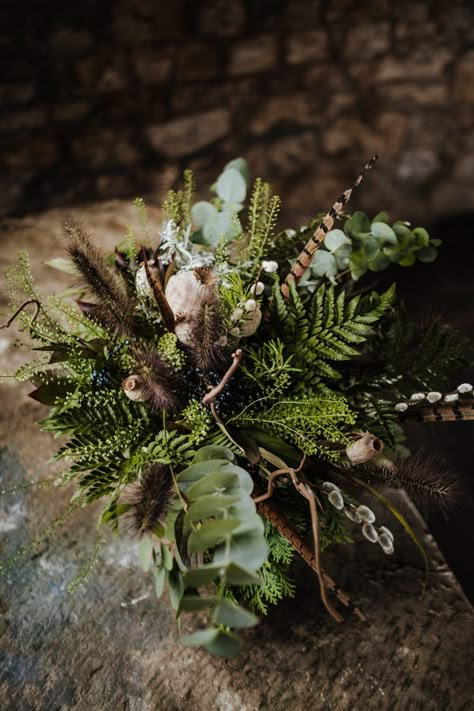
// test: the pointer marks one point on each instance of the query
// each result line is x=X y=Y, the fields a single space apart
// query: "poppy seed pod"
x=185 y=290
x=135 y=389
x=365 y=448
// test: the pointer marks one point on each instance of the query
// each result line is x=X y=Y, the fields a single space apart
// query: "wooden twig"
x=214 y=392
x=308 y=494
x=159 y=295
x=37 y=304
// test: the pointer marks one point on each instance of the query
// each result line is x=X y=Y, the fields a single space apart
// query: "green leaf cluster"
x=328 y=328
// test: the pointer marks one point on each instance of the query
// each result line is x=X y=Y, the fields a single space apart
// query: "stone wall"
x=114 y=99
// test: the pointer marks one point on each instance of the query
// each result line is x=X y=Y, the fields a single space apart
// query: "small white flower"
x=370 y=533
x=401 y=407
x=250 y=305
x=336 y=499
x=259 y=287
x=237 y=314
x=434 y=397
x=269 y=266
x=366 y=514
x=416 y=397
x=452 y=397
x=464 y=388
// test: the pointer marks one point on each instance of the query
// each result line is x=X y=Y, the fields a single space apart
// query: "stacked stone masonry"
x=108 y=100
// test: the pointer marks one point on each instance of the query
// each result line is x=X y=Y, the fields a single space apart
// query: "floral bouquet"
x=229 y=391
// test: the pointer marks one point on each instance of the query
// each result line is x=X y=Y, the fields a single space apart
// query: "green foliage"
x=263 y=215
x=171 y=353
x=330 y=329
x=197 y=418
x=275 y=582
x=268 y=367
x=221 y=519
x=219 y=220
x=307 y=422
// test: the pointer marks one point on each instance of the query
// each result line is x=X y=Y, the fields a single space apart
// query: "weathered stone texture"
x=162 y=82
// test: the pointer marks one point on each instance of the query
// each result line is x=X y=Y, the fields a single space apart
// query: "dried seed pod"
x=185 y=290
x=250 y=322
x=365 y=448
x=135 y=388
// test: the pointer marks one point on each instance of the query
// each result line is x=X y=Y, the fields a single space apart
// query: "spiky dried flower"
x=113 y=306
x=149 y=499
x=155 y=382
x=425 y=475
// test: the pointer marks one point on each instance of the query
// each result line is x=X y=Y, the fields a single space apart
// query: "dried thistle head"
x=149 y=499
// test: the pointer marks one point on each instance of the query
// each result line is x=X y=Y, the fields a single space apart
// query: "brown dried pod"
x=365 y=447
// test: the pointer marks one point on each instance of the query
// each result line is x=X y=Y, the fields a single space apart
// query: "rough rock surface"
x=111 y=645
x=101 y=99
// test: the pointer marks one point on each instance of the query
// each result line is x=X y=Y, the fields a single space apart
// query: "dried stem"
x=214 y=392
x=308 y=494
x=37 y=304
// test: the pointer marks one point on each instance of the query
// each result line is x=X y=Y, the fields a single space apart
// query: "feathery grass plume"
x=113 y=307
x=159 y=382
x=426 y=476
x=149 y=498
x=206 y=342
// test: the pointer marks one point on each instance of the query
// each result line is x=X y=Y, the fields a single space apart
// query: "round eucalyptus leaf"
x=428 y=254
x=323 y=263
x=199 y=638
x=408 y=261
x=231 y=186
x=208 y=506
x=212 y=451
x=225 y=644
x=383 y=232
x=248 y=550
x=200 y=577
x=231 y=615
x=242 y=166
x=217 y=482
x=422 y=237
x=238 y=575
x=379 y=262
x=357 y=265
x=211 y=533
x=381 y=217
x=370 y=246
x=357 y=224
x=202 y=212
x=191 y=603
x=401 y=229
x=336 y=239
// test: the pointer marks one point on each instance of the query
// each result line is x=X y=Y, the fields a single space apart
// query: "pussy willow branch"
x=214 y=392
